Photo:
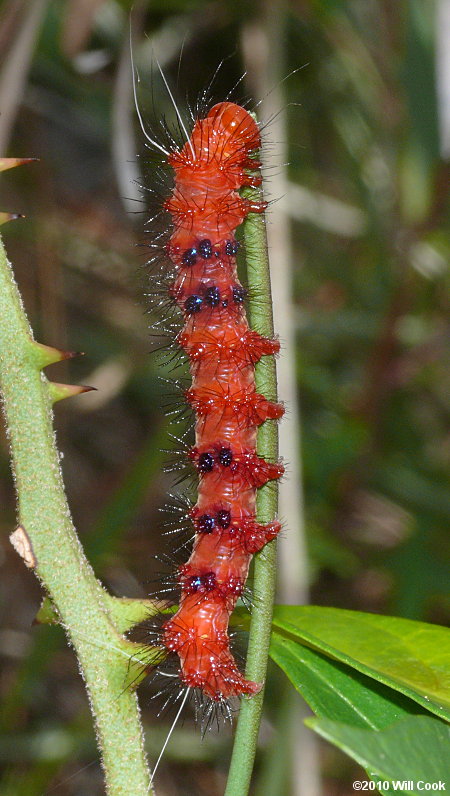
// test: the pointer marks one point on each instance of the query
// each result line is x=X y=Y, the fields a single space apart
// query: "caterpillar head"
x=238 y=129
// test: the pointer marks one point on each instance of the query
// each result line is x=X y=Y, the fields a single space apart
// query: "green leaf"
x=414 y=749
x=411 y=657
x=336 y=692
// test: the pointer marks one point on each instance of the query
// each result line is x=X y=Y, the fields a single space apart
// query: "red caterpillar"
x=206 y=208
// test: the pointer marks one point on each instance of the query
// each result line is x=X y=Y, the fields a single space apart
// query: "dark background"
x=363 y=126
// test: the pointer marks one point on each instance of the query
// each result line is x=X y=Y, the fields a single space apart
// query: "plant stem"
x=261 y=318
x=56 y=554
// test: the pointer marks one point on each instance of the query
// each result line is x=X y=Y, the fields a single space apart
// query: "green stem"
x=85 y=609
x=261 y=319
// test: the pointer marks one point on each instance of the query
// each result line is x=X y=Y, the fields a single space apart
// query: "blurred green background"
x=364 y=125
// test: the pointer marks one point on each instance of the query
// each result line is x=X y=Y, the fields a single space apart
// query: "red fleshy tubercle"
x=206 y=209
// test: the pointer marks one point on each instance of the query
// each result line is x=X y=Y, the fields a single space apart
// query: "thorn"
x=47 y=614
x=60 y=391
x=48 y=355
x=11 y=163
x=5 y=217
x=72 y=354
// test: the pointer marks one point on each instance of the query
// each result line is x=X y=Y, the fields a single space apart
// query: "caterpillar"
x=217 y=160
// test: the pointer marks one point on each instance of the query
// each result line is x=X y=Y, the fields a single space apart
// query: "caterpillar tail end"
x=221 y=687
